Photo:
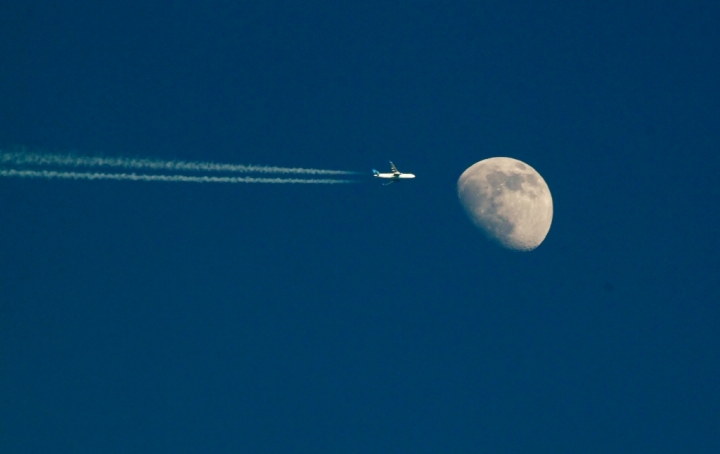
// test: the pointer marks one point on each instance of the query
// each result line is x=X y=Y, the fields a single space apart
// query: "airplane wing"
x=389 y=182
x=394 y=169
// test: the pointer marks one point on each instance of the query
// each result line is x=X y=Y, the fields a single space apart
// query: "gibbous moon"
x=508 y=200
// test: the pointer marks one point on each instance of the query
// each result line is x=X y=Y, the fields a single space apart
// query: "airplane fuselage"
x=392 y=176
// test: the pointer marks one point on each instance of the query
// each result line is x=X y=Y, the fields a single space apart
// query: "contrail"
x=34 y=159
x=50 y=174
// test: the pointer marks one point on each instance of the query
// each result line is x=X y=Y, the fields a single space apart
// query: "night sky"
x=253 y=318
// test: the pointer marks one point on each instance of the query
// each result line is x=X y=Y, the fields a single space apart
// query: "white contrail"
x=20 y=159
x=49 y=174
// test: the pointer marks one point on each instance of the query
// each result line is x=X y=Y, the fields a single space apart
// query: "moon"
x=508 y=200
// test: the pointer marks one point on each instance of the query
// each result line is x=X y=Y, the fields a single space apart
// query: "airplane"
x=394 y=176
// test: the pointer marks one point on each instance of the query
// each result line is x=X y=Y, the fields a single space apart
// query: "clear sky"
x=177 y=317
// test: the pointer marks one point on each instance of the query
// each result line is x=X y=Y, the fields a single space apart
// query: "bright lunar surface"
x=508 y=200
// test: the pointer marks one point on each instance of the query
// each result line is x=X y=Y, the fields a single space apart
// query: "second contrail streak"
x=52 y=174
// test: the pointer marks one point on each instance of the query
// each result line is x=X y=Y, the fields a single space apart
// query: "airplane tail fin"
x=375 y=172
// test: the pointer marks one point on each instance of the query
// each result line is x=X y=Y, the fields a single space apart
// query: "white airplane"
x=394 y=176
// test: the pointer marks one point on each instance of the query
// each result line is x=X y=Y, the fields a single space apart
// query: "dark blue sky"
x=157 y=317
